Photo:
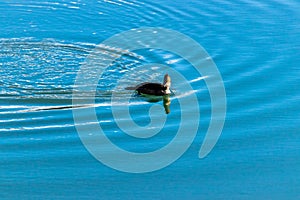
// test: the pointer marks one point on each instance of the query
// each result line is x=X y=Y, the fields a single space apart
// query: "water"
x=255 y=46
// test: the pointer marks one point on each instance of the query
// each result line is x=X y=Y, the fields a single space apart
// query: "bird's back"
x=151 y=89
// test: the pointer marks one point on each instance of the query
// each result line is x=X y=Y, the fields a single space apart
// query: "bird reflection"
x=153 y=99
x=167 y=102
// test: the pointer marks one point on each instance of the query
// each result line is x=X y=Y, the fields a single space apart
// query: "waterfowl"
x=155 y=89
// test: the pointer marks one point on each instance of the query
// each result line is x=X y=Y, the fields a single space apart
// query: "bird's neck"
x=168 y=91
x=167 y=84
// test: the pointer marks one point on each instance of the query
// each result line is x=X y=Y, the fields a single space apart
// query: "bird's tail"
x=130 y=88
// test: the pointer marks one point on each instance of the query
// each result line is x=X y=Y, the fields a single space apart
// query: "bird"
x=156 y=89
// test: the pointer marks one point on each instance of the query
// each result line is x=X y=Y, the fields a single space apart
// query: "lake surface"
x=44 y=45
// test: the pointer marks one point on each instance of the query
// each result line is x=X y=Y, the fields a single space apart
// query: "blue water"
x=254 y=44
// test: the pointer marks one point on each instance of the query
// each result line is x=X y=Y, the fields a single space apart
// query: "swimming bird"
x=156 y=89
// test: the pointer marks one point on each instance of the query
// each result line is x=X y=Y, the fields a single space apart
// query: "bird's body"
x=155 y=89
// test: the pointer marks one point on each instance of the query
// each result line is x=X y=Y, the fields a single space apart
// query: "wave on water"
x=46 y=69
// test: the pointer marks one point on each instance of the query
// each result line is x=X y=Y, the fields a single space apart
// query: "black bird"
x=156 y=89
